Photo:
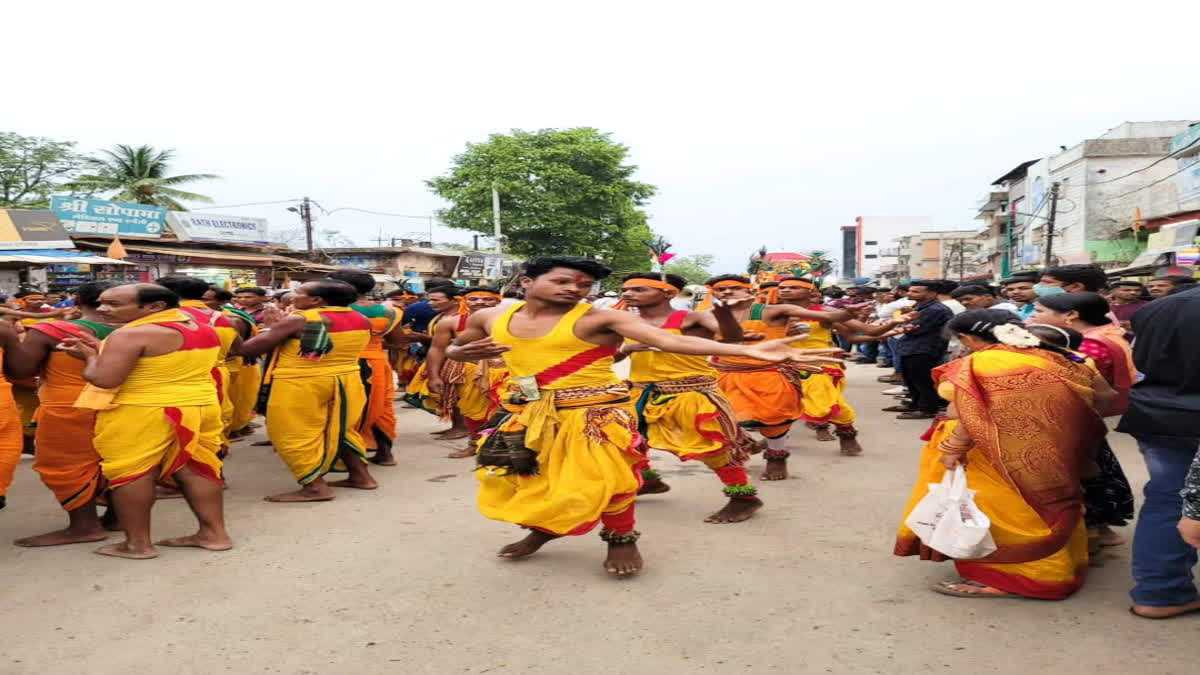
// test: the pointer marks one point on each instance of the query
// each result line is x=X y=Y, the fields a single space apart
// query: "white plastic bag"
x=948 y=521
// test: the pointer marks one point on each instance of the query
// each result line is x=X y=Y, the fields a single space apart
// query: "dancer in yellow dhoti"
x=440 y=384
x=464 y=387
x=568 y=457
x=10 y=418
x=158 y=419
x=191 y=292
x=245 y=376
x=378 y=424
x=316 y=393
x=66 y=459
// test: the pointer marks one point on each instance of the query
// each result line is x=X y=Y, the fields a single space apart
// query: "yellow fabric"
x=26 y=398
x=823 y=394
x=686 y=425
x=655 y=366
x=310 y=420
x=66 y=459
x=179 y=378
x=588 y=464
x=1015 y=525
x=341 y=359
x=226 y=333
x=531 y=356
x=244 y=383
x=473 y=402
x=418 y=390
x=135 y=440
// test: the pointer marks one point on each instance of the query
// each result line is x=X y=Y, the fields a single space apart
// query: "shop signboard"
x=31 y=229
x=480 y=266
x=208 y=227
x=95 y=216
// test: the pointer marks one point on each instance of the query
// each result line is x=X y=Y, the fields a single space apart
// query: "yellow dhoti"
x=136 y=440
x=824 y=400
x=244 y=383
x=310 y=420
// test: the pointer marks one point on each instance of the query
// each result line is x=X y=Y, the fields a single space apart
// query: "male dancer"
x=252 y=300
x=191 y=291
x=680 y=409
x=568 y=456
x=378 y=425
x=158 y=417
x=463 y=388
x=66 y=460
x=766 y=396
x=245 y=376
x=316 y=392
x=428 y=389
x=822 y=394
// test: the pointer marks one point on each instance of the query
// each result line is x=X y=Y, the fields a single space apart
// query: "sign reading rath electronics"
x=207 y=227
x=95 y=216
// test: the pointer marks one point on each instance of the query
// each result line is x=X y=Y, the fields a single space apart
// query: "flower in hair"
x=1015 y=335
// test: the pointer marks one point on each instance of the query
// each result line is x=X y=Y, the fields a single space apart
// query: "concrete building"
x=867 y=245
x=934 y=254
x=416 y=263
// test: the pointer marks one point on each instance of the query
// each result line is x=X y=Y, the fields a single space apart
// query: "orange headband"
x=730 y=283
x=483 y=294
x=650 y=283
x=798 y=283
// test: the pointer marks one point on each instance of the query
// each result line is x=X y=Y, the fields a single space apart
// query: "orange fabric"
x=66 y=460
x=379 y=415
x=764 y=399
x=10 y=433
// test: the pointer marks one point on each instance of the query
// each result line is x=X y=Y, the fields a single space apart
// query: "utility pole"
x=962 y=246
x=475 y=246
x=496 y=217
x=306 y=216
x=1050 y=223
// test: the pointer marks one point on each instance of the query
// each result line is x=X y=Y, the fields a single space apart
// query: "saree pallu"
x=690 y=419
x=312 y=420
x=823 y=398
x=588 y=458
x=1030 y=419
x=1124 y=375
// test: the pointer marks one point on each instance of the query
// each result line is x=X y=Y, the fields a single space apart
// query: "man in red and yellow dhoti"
x=316 y=396
x=568 y=456
x=767 y=397
x=66 y=459
x=378 y=424
x=158 y=419
x=680 y=408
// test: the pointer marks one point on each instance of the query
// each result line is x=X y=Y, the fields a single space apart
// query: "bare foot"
x=654 y=488
x=623 y=560
x=164 y=492
x=737 y=510
x=455 y=434
x=824 y=434
x=776 y=469
x=197 y=541
x=261 y=444
x=850 y=447
x=368 y=484
x=1108 y=538
x=382 y=459
x=443 y=431
x=64 y=536
x=527 y=546
x=305 y=494
x=468 y=451
x=1149 y=612
x=122 y=550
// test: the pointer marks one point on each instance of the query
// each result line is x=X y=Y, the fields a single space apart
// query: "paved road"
x=404 y=580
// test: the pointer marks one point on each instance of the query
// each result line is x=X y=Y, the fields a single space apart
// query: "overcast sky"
x=760 y=123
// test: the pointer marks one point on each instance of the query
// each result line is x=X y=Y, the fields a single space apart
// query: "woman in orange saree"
x=1023 y=423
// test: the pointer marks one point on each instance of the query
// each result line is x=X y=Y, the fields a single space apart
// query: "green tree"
x=139 y=176
x=31 y=168
x=562 y=191
x=694 y=268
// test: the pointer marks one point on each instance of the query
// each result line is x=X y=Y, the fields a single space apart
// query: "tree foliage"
x=139 y=176
x=31 y=168
x=562 y=191
x=694 y=268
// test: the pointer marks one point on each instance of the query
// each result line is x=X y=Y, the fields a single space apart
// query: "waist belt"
x=788 y=369
x=740 y=443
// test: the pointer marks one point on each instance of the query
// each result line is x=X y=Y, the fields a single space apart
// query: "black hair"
x=902 y=288
x=1092 y=308
x=971 y=290
x=1175 y=279
x=1019 y=279
x=187 y=288
x=397 y=292
x=448 y=291
x=982 y=323
x=1056 y=335
x=26 y=292
x=514 y=292
x=727 y=277
x=769 y=284
x=334 y=292
x=220 y=294
x=932 y=284
x=945 y=286
x=674 y=279
x=536 y=267
x=479 y=289
x=1092 y=277
x=438 y=281
x=1118 y=284
x=148 y=293
x=88 y=294
x=362 y=281
x=257 y=290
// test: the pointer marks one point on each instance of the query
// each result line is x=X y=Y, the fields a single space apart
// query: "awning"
x=201 y=255
x=49 y=256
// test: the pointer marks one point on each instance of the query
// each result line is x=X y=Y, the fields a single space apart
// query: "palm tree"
x=139 y=176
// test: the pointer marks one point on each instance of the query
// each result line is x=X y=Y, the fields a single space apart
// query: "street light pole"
x=1050 y=223
x=306 y=216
